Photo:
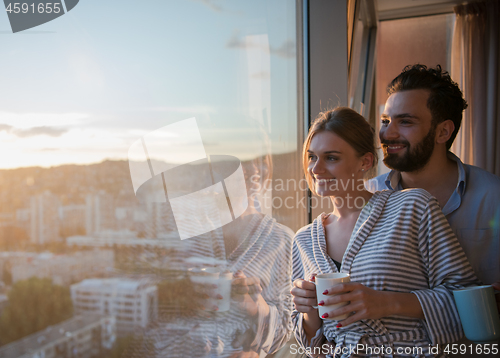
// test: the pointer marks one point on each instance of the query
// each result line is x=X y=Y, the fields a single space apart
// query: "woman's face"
x=333 y=165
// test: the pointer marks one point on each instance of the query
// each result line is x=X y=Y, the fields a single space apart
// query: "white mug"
x=324 y=282
x=223 y=280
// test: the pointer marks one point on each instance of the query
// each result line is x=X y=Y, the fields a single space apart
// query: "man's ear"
x=444 y=130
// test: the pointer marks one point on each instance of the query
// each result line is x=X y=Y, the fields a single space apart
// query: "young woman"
x=402 y=256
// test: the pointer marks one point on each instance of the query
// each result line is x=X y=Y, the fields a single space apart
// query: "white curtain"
x=475 y=66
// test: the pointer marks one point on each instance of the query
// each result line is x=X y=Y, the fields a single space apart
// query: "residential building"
x=134 y=303
x=81 y=336
x=72 y=219
x=64 y=269
x=7 y=219
x=44 y=218
x=23 y=219
x=100 y=212
x=110 y=238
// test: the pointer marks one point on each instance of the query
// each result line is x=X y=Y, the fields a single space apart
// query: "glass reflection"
x=95 y=262
x=228 y=291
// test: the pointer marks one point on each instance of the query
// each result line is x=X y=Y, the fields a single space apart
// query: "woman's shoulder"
x=308 y=230
x=304 y=231
x=270 y=226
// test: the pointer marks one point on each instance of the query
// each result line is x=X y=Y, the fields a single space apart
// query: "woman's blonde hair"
x=348 y=125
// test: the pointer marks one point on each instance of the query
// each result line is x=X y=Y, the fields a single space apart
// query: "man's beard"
x=415 y=158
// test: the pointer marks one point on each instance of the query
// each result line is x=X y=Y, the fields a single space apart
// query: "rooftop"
x=113 y=284
x=51 y=334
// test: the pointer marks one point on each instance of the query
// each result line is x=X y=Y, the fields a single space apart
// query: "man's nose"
x=389 y=132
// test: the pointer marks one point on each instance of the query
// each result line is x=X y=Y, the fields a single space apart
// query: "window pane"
x=145 y=145
x=425 y=40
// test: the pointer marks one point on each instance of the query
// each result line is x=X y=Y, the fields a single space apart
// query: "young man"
x=420 y=121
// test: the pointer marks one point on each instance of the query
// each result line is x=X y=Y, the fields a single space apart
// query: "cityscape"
x=77 y=235
x=87 y=269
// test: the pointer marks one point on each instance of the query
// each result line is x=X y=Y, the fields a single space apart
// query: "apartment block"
x=99 y=213
x=44 y=218
x=72 y=219
x=65 y=269
x=81 y=336
x=134 y=303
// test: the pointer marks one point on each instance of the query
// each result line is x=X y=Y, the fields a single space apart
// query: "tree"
x=34 y=304
x=7 y=273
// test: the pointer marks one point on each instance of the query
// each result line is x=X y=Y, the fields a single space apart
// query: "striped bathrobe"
x=401 y=242
x=265 y=252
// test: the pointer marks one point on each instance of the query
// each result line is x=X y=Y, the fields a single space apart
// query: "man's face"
x=407 y=133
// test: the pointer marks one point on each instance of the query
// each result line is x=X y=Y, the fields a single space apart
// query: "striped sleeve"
x=277 y=327
x=299 y=273
x=273 y=330
x=448 y=269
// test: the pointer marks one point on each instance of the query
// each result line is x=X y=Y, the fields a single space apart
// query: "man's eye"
x=331 y=158
x=405 y=121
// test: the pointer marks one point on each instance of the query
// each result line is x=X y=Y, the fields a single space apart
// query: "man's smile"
x=394 y=148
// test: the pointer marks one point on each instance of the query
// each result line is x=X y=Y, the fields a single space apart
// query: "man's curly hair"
x=445 y=99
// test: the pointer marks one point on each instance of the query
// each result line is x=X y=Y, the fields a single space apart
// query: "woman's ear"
x=367 y=162
x=444 y=130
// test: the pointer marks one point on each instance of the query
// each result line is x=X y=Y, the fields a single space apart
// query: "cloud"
x=33 y=131
x=236 y=42
x=212 y=5
x=5 y=127
x=194 y=109
x=48 y=131
x=285 y=50
x=264 y=75
x=32 y=119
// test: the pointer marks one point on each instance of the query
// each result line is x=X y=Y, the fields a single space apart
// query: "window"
x=425 y=40
x=86 y=87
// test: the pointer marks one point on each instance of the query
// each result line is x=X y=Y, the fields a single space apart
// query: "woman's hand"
x=367 y=303
x=246 y=293
x=304 y=295
x=304 y=298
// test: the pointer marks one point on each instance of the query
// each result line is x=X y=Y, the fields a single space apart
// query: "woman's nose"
x=318 y=167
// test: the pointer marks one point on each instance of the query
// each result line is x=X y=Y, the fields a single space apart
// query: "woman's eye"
x=385 y=122
x=311 y=157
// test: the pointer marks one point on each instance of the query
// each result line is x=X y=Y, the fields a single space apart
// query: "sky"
x=84 y=87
